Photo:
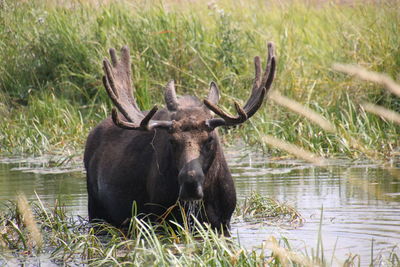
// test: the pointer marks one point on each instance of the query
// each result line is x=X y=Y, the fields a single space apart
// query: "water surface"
x=360 y=201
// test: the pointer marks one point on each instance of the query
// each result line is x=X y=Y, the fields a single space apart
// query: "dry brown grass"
x=29 y=221
x=302 y=110
x=285 y=256
x=370 y=76
x=382 y=112
x=294 y=150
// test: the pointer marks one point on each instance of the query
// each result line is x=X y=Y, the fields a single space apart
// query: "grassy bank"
x=50 y=74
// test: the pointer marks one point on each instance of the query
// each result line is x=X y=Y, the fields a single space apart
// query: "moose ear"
x=213 y=95
x=170 y=96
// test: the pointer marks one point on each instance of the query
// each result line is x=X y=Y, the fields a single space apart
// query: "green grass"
x=262 y=209
x=50 y=77
x=73 y=241
x=69 y=241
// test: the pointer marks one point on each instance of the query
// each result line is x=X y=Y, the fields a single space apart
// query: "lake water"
x=360 y=201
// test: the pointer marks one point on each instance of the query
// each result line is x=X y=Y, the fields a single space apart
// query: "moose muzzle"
x=191 y=178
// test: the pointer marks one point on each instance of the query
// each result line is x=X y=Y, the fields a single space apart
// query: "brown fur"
x=149 y=168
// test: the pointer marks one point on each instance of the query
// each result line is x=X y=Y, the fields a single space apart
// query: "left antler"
x=117 y=81
x=261 y=86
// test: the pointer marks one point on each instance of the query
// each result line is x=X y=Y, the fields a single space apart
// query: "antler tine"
x=259 y=90
x=113 y=56
x=144 y=124
x=269 y=73
x=229 y=119
x=261 y=86
x=118 y=86
x=113 y=85
x=257 y=78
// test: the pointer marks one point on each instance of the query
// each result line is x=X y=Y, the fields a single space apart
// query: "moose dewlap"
x=158 y=157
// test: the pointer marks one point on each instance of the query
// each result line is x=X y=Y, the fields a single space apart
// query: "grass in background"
x=51 y=52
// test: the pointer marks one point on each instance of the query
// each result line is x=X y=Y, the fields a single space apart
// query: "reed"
x=294 y=150
x=73 y=241
x=50 y=80
x=370 y=76
x=285 y=256
x=29 y=221
x=302 y=110
x=259 y=209
x=384 y=113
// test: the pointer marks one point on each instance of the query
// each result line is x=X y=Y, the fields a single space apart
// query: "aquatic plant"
x=257 y=208
x=73 y=241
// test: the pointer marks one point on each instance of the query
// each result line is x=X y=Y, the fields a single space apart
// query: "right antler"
x=117 y=81
x=260 y=88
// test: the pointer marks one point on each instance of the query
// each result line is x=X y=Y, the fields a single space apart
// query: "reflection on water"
x=360 y=201
x=32 y=175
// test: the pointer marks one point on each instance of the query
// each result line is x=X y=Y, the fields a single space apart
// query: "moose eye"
x=173 y=142
x=209 y=142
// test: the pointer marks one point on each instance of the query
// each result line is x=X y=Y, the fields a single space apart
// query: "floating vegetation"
x=45 y=164
x=259 y=209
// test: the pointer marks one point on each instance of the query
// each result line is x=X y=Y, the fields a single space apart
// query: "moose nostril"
x=199 y=192
x=191 y=191
x=192 y=186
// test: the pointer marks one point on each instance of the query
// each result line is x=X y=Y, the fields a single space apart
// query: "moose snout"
x=191 y=187
x=190 y=191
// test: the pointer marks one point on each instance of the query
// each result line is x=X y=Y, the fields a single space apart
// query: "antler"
x=117 y=81
x=260 y=88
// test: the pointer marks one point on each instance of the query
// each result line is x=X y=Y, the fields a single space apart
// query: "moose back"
x=159 y=157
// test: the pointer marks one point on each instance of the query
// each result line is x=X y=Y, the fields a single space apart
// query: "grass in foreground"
x=50 y=80
x=67 y=240
x=73 y=241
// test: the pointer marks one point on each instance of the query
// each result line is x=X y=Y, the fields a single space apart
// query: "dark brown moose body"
x=160 y=157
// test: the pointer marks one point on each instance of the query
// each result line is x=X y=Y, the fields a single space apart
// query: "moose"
x=158 y=158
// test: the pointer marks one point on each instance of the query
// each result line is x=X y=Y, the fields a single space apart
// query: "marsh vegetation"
x=51 y=54
x=51 y=95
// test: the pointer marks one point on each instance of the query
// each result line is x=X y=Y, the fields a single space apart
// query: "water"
x=32 y=176
x=360 y=202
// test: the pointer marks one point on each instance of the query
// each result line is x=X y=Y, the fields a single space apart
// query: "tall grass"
x=72 y=241
x=51 y=53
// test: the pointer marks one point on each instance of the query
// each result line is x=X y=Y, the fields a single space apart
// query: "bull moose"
x=158 y=158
